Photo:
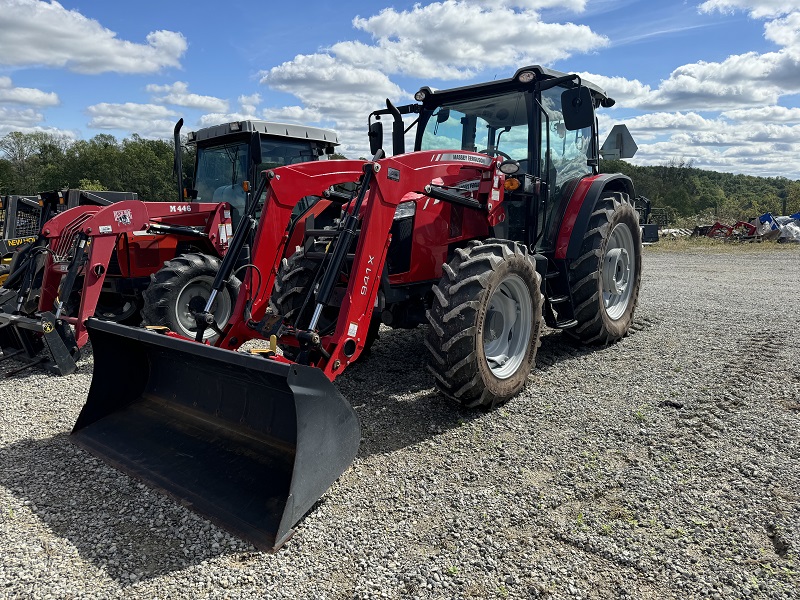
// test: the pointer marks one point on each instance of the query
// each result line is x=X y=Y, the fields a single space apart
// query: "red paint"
x=571 y=215
x=410 y=174
x=113 y=228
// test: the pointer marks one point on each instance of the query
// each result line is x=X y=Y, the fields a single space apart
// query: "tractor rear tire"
x=181 y=288
x=604 y=281
x=295 y=277
x=485 y=321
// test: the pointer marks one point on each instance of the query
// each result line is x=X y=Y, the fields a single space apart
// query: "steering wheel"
x=495 y=151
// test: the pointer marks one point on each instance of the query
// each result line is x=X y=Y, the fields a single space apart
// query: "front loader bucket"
x=250 y=443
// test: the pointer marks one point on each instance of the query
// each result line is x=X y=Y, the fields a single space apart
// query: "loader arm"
x=287 y=185
x=102 y=227
x=398 y=179
x=393 y=180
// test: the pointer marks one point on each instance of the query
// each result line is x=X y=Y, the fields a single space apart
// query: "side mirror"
x=443 y=115
x=577 y=108
x=375 y=137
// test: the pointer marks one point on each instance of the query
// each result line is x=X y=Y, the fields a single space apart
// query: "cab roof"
x=283 y=130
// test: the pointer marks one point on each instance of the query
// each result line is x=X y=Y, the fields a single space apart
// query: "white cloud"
x=45 y=33
x=746 y=79
x=739 y=81
x=626 y=92
x=248 y=108
x=341 y=85
x=341 y=93
x=28 y=96
x=785 y=32
x=210 y=119
x=28 y=120
x=757 y=8
x=15 y=119
x=293 y=114
x=450 y=39
x=178 y=94
x=756 y=147
x=249 y=103
x=148 y=120
x=671 y=122
x=765 y=114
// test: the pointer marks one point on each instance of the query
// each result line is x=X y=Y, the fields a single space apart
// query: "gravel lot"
x=665 y=466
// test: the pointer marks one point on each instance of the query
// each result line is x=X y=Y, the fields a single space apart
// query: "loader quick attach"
x=480 y=242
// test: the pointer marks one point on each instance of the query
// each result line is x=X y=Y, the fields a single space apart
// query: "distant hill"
x=692 y=196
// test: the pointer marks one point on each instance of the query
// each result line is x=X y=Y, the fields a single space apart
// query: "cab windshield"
x=222 y=169
x=492 y=125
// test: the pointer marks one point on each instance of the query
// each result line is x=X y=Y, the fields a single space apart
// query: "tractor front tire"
x=181 y=288
x=604 y=280
x=292 y=283
x=485 y=321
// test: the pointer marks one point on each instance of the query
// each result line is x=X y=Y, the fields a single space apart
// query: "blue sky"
x=714 y=82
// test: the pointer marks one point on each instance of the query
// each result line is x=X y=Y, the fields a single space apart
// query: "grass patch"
x=687 y=243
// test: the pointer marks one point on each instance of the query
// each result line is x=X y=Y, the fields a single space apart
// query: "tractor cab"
x=231 y=154
x=540 y=121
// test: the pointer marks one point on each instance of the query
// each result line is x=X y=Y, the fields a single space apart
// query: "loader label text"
x=179 y=208
x=367 y=271
x=467 y=187
x=481 y=160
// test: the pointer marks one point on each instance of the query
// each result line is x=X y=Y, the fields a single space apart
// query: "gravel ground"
x=664 y=466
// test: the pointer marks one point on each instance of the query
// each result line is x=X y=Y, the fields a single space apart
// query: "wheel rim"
x=507 y=327
x=192 y=299
x=619 y=265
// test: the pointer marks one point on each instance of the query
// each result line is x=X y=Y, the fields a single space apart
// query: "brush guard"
x=251 y=443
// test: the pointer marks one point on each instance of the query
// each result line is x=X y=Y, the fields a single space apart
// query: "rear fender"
x=580 y=207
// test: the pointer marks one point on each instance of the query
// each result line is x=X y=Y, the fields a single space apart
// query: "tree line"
x=693 y=196
x=36 y=162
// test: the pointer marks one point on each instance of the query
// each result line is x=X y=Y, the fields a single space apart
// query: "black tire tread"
x=157 y=298
x=584 y=273
x=451 y=336
x=294 y=277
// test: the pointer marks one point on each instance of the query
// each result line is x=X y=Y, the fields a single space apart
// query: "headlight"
x=526 y=77
x=509 y=167
x=420 y=96
x=404 y=210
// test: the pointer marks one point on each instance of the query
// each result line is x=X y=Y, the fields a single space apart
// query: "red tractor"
x=496 y=221
x=135 y=261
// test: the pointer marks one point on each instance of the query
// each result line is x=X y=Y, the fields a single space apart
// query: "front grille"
x=62 y=245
